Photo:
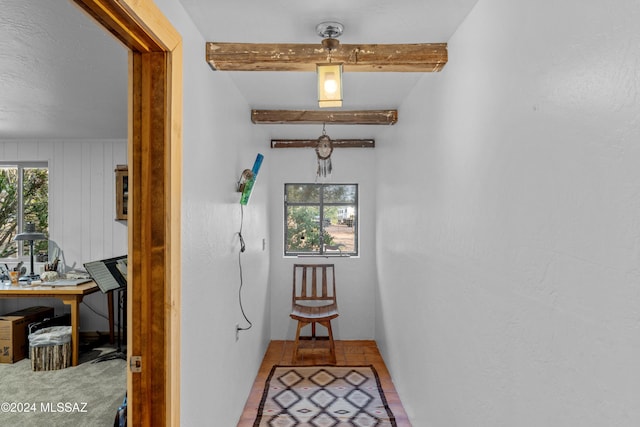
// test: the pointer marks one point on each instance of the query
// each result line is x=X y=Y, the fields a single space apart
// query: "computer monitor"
x=109 y=274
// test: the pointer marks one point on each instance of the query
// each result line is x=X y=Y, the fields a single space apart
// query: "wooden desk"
x=70 y=295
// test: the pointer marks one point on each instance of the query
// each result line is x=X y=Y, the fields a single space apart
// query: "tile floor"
x=315 y=353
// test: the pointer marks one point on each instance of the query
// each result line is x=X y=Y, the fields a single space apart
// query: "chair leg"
x=332 y=345
x=301 y=324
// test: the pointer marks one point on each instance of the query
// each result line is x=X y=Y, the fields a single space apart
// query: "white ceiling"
x=60 y=75
x=63 y=77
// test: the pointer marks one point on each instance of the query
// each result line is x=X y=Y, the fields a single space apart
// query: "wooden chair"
x=314 y=301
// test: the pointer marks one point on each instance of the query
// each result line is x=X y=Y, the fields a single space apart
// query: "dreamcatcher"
x=324 y=148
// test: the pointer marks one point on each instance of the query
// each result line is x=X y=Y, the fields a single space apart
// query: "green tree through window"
x=24 y=197
x=321 y=219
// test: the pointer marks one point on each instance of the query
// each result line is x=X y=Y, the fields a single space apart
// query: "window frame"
x=321 y=206
x=20 y=165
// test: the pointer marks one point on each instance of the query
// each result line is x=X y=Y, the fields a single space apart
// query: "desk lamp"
x=30 y=235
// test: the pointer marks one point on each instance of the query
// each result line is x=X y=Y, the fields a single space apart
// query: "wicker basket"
x=52 y=351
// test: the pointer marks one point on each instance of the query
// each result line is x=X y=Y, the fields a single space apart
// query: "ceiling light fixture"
x=329 y=73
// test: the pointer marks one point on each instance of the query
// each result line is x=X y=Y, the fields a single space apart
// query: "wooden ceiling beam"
x=311 y=143
x=361 y=117
x=415 y=57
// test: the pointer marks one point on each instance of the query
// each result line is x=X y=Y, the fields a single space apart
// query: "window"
x=24 y=198
x=321 y=219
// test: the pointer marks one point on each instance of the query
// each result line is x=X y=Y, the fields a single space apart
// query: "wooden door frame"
x=155 y=174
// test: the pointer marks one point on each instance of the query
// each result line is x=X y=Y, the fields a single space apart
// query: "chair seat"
x=316 y=313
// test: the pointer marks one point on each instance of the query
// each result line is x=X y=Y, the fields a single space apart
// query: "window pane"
x=321 y=219
x=8 y=211
x=24 y=194
x=339 y=194
x=35 y=182
x=303 y=193
x=303 y=229
x=340 y=229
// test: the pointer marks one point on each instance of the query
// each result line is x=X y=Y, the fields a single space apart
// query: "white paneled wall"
x=81 y=210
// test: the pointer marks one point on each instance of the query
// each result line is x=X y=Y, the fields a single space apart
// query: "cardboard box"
x=14 y=332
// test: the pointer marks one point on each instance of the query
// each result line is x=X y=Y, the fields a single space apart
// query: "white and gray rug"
x=319 y=396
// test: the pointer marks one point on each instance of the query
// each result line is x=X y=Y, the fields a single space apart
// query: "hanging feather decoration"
x=324 y=148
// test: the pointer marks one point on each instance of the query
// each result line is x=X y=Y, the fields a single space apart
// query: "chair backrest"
x=314 y=285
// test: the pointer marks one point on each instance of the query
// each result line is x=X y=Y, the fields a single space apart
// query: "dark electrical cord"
x=242 y=249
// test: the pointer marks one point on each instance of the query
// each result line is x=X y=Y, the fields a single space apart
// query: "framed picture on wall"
x=122 y=192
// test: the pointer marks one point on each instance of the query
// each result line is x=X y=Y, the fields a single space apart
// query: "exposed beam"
x=362 y=117
x=416 y=57
x=337 y=143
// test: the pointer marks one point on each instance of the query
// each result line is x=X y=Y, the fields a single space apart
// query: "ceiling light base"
x=329 y=30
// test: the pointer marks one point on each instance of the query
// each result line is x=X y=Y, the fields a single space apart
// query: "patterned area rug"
x=323 y=396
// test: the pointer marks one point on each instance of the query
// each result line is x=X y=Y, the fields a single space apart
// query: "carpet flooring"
x=84 y=395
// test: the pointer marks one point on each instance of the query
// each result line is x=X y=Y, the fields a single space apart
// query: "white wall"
x=356 y=276
x=219 y=143
x=81 y=210
x=519 y=252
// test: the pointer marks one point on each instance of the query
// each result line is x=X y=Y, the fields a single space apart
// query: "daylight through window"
x=321 y=219
x=24 y=197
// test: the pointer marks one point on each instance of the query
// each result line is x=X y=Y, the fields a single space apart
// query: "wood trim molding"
x=311 y=143
x=414 y=57
x=155 y=173
x=362 y=117
x=138 y=25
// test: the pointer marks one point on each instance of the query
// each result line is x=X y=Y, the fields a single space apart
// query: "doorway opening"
x=155 y=173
